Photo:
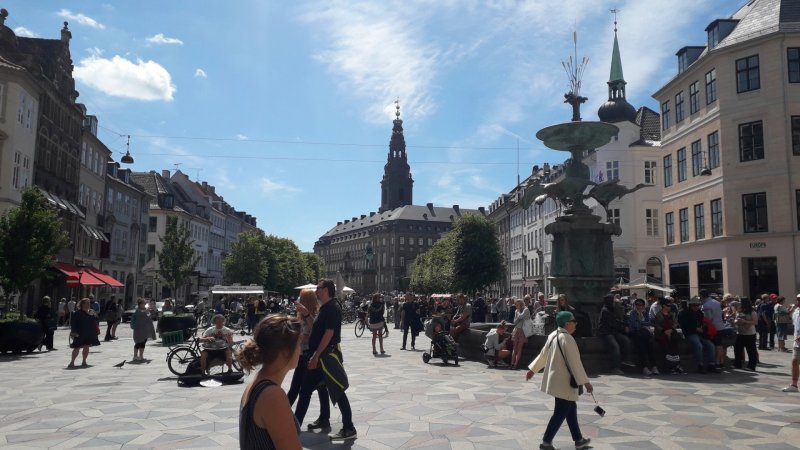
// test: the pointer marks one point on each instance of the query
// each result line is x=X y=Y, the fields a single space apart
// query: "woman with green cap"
x=561 y=360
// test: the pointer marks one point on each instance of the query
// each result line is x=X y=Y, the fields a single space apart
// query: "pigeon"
x=121 y=364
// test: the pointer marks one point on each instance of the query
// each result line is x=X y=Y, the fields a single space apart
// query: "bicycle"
x=180 y=357
x=361 y=324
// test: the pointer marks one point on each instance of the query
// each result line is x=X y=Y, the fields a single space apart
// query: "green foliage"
x=466 y=259
x=315 y=267
x=176 y=259
x=478 y=259
x=434 y=270
x=30 y=237
x=246 y=263
x=274 y=262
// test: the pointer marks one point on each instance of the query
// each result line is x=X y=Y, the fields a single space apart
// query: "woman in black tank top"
x=266 y=420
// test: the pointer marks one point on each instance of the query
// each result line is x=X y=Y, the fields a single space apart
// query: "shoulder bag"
x=572 y=381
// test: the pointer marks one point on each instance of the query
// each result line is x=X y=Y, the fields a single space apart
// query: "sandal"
x=71 y=366
x=83 y=364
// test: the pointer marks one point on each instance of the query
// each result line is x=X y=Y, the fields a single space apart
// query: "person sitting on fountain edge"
x=462 y=318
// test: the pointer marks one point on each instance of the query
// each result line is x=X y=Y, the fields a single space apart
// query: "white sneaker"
x=647 y=372
x=790 y=388
x=655 y=371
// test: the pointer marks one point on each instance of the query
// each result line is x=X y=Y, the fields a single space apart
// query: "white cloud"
x=120 y=77
x=200 y=73
x=160 y=39
x=241 y=137
x=24 y=32
x=270 y=187
x=81 y=19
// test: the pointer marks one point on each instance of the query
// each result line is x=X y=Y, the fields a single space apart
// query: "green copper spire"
x=616 y=62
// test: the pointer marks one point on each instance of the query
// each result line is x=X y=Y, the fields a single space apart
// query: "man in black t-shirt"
x=325 y=335
x=410 y=320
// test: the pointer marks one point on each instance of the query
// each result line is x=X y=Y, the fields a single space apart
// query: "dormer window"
x=719 y=30
x=167 y=201
x=688 y=55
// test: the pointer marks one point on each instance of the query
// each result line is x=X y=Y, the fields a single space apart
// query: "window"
x=651 y=222
x=793 y=56
x=153 y=226
x=679 y=107
x=15 y=176
x=716 y=217
x=694 y=97
x=747 y=78
x=713 y=150
x=681 y=165
x=683 y=217
x=699 y=221
x=402 y=240
x=613 y=216
x=711 y=86
x=650 y=172
x=669 y=223
x=612 y=170
x=665 y=115
x=697 y=158
x=754 y=208
x=796 y=135
x=668 y=171
x=751 y=141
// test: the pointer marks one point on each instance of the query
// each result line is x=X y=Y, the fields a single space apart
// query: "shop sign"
x=758 y=245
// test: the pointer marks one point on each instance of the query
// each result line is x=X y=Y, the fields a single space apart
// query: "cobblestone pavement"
x=398 y=402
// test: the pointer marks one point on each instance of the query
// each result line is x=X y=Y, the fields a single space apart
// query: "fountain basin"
x=577 y=136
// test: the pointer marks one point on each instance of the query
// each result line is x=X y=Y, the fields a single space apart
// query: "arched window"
x=655 y=269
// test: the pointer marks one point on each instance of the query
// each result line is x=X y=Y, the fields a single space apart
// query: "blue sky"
x=286 y=107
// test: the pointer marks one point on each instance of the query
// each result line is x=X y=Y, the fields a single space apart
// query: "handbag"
x=572 y=381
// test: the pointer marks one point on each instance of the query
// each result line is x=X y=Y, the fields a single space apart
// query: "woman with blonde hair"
x=265 y=417
x=521 y=315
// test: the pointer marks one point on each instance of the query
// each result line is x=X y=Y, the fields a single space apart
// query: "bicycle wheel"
x=359 y=328
x=179 y=359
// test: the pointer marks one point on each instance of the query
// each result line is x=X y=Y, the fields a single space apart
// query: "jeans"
x=745 y=342
x=564 y=409
x=699 y=345
x=616 y=344
x=297 y=381
x=311 y=381
x=406 y=328
x=643 y=343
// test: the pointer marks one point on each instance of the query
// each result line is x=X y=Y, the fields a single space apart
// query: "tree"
x=315 y=267
x=478 y=261
x=30 y=237
x=434 y=269
x=246 y=263
x=177 y=259
x=287 y=266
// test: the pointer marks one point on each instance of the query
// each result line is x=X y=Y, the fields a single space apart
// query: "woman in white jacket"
x=558 y=352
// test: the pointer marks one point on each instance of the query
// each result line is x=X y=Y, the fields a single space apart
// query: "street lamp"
x=127 y=158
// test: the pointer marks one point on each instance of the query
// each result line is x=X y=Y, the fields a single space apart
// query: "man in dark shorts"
x=324 y=339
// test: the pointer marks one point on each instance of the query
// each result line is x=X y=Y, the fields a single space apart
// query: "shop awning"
x=94 y=233
x=76 y=273
x=103 y=277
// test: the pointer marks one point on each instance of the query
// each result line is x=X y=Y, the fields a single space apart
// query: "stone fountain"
x=582 y=265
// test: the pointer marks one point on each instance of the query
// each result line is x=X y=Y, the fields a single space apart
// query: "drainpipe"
x=788 y=119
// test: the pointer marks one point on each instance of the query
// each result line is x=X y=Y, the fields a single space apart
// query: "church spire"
x=397 y=184
x=617 y=108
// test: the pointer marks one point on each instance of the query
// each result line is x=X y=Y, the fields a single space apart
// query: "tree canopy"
x=30 y=237
x=246 y=262
x=176 y=259
x=466 y=259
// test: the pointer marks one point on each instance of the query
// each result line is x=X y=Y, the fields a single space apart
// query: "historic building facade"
x=375 y=252
x=730 y=152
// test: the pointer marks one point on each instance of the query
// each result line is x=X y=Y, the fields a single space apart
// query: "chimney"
x=338 y=223
x=455 y=208
x=346 y=220
x=363 y=216
x=205 y=185
x=165 y=173
x=372 y=213
x=430 y=208
x=354 y=219
x=482 y=210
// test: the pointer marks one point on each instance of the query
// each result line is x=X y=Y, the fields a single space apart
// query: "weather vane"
x=575 y=69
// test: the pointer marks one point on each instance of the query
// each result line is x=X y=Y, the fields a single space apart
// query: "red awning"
x=76 y=273
x=103 y=277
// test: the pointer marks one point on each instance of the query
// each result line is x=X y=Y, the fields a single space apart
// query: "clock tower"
x=397 y=184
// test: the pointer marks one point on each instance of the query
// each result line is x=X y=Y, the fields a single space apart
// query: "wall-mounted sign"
x=758 y=245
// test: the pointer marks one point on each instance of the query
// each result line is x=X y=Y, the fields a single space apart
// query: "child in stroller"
x=442 y=344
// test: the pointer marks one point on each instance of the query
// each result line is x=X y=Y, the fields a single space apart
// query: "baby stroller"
x=442 y=344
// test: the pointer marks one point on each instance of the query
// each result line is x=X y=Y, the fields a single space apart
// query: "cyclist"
x=216 y=342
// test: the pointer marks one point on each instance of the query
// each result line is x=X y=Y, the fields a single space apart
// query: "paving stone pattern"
x=398 y=402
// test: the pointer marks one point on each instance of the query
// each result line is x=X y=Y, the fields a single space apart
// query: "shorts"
x=139 y=345
x=781 y=331
x=796 y=354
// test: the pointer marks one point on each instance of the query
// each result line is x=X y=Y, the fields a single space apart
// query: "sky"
x=287 y=107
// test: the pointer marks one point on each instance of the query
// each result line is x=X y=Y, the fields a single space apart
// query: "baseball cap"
x=773 y=296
